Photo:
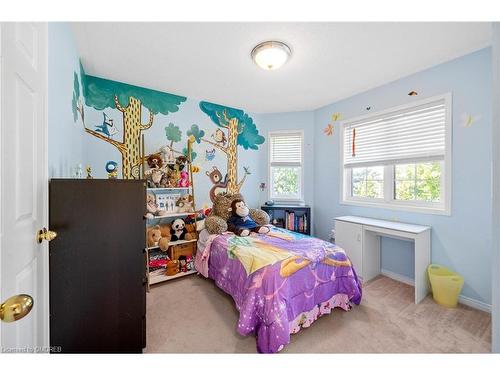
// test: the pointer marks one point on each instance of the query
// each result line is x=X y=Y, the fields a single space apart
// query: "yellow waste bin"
x=446 y=285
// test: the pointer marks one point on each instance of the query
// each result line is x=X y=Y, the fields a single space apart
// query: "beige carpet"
x=191 y=315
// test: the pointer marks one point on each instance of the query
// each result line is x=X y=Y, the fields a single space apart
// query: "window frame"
x=389 y=202
x=270 y=165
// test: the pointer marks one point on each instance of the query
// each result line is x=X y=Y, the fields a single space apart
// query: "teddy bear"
x=152 y=207
x=179 y=231
x=165 y=239
x=154 y=236
x=172 y=267
x=155 y=161
x=240 y=221
x=159 y=235
x=216 y=221
x=185 y=203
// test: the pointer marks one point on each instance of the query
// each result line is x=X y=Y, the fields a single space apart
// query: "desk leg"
x=371 y=255
x=422 y=260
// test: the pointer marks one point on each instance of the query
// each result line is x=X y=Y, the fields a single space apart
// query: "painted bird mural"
x=210 y=154
x=107 y=128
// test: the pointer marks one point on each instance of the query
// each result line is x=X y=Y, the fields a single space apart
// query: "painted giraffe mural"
x=100 y=94
x=241 y=131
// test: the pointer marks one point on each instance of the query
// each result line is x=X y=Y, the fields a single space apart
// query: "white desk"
x=359 y=237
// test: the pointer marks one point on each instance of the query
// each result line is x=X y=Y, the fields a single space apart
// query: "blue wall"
x=461 y=241
x=65 y=136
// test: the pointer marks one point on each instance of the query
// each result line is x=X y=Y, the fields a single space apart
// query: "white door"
x=349 y=237
x=23 y=179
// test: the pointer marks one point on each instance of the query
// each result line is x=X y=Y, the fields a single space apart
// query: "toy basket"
x=446 y=285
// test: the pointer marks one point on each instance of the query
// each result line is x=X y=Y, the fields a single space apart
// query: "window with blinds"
x=285 y=165
x=413 y=134
x=400 y=157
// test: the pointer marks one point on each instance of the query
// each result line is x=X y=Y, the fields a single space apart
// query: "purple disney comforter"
x=274 y=278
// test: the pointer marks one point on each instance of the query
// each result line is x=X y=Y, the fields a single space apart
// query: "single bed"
x=281 y=281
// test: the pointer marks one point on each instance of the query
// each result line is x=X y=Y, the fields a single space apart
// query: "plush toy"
x=179 y=231
x=191 y=231
x=216 y=222
x=167 y=155
x=180 y=162
x=185 y=203
x=172 y=267
x=240 y=221
x=154 y=236
x=152 y=207
x=183 y=263
x=155 y=161
x=184 y=180
x=154 y=176
x=164 y=242
x=190 y=263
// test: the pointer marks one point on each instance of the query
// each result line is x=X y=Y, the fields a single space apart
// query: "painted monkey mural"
x=100 y=94
x=241 y=131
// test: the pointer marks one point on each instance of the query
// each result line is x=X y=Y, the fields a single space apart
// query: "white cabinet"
x=349 y=237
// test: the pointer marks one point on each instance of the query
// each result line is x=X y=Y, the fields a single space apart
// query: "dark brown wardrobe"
x=97 y=266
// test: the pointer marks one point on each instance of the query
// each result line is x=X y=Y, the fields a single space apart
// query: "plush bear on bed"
x=240 y=221
x=216 y=222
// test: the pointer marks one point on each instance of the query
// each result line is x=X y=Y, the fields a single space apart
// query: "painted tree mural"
x=173 y=133
x=101 y=93
x=241 y=131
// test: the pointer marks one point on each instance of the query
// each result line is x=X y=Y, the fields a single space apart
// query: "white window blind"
x=286 y=149
x=408 y=135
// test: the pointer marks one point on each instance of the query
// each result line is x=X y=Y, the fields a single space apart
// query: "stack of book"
x=296 y=223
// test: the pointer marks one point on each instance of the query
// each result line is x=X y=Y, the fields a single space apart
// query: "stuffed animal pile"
x=217 y=222
x=165 y=173
x=162 y=235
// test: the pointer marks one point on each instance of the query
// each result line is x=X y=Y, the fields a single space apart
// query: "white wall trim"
x=471 y=302
x=474 y=303
x=398 y=277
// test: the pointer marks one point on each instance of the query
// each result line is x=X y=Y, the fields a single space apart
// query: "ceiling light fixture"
x=271 y=55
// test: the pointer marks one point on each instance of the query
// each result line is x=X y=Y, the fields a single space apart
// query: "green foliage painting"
x=173 y=134
x=185 y=153
x=241 y=131
x=76 y=103
x=101 y=93
x=196 y=132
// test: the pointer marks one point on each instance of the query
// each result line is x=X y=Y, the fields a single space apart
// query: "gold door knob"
x=47 y=235
x=15 y=308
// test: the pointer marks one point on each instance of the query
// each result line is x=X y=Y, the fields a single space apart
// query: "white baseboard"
x=474 y=303
x=471 y=302
x=398 y=277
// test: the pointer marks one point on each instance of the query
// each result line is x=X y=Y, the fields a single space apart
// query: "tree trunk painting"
x=132 y=128
x=231 y=151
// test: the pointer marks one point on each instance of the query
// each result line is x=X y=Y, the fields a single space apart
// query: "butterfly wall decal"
x=468 y=120
x=329 y=128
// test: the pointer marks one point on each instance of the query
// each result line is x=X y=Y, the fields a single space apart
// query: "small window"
x=285 y=166
x=400 y=158
x=368 y=182
x=419 y=182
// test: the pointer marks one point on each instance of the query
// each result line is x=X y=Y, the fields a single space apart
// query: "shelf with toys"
x=171 y=236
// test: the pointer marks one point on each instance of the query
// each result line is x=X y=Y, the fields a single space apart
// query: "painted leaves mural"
x=241 y=131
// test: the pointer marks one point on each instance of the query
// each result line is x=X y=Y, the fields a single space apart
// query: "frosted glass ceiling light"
x=271 y=55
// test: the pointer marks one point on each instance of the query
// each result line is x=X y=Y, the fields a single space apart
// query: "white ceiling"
x=211 y=61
